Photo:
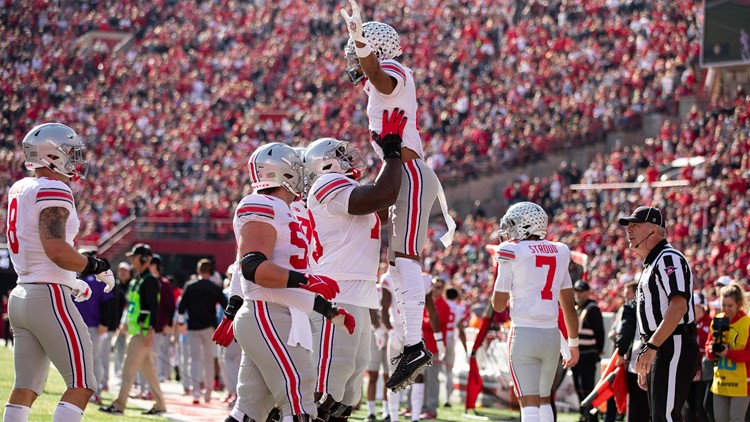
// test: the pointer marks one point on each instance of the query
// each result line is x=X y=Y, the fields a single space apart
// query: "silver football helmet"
x=56 y=147
x=330 y=155
x=274 y=165
x=522 y=220
x=385 y=43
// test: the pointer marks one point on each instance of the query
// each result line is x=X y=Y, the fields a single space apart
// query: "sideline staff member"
x=666 y=318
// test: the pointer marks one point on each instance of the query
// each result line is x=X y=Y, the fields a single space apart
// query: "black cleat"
x=111 y=409
x=410 y=365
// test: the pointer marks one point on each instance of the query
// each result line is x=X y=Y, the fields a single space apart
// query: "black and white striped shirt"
x=666 y=273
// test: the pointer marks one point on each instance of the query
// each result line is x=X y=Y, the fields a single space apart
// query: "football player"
x=343 y=215
x=370 y=54
x=533 y=274
x=270 y=310
x=42 y=223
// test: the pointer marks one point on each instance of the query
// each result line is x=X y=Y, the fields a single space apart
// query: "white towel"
x=300 y=333
x=447 y=238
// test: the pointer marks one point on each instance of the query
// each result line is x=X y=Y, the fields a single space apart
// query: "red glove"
x=344 y=319
x=321 y=285
x=224 y=335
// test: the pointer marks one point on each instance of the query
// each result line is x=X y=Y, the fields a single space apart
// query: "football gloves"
x=108 y=278
x=354 y=23
x=440 y=345
x=224 y=334
x=390 y=138
x=318 y=284
x=95 y=266
x=81 y=290
x=338 y=316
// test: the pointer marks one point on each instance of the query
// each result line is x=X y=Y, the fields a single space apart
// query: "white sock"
x=417 y=400
x=17 y=413
x=412 y=298
x=67 y=412
x=545 y=413
x=370 y=407
x=530 y=414
x=385 y=407
x=394 y=404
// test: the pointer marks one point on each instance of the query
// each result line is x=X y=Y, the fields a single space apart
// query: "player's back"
x=539 y=272
x=404 y=96
x=290 y=249
x=26 y=200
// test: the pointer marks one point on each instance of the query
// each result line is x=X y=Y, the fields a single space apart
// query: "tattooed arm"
x=52 y=234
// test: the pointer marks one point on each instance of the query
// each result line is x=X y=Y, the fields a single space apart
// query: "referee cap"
x=644 y=215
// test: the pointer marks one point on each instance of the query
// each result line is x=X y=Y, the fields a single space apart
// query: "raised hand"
x=390 y=138
x=354 y=23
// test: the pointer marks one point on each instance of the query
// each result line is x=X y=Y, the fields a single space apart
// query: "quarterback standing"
x=347 y=247
x=533 y=274
x=42 y=223
x=370 y=55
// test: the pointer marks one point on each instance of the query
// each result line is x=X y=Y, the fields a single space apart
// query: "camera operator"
x=728 y=345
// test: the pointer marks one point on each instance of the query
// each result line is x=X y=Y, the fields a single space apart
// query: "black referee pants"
x=671 y=376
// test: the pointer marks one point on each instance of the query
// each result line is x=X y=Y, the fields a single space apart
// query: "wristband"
x=363 y=52
x=181 y=319
x=324 y=307
x=438 y=336
x=295 y=280
x=573 y=342
x=234 y=304
x=651 y=346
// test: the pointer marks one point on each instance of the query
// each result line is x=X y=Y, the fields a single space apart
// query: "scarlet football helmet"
x=522 y=220
x=385 y=43
x=274 y=165
x=330 y=155
x=56 y=147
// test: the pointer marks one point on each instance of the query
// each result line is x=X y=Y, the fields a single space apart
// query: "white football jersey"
x=533 y=272
x=26 y=199
x=404 y=96
x=300 y=212
x=347 y=247
x=458 y=312
x=290 y=249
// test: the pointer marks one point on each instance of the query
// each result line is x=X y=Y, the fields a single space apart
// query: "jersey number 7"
x=551 y=262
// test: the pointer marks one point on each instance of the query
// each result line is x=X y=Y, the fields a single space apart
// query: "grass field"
x=45 y=405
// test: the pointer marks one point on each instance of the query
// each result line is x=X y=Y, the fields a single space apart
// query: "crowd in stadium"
x=203 y=86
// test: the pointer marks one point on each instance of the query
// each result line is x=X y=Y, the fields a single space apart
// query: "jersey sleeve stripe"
x=393 y=69
x=329 y=187
x=257 y=209
x=53 y=194
x=505 y=255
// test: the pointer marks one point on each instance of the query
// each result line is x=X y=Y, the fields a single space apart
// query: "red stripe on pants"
x=70 y=334
x=287 y=368
x=413 y=218
x=325 y=356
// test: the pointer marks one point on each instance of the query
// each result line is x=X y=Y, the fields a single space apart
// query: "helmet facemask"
x=353 y=68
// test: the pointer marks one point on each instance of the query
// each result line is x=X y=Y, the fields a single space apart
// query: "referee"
x=669 y=357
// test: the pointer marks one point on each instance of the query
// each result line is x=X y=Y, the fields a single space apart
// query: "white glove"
x=108 y=278
x=354 y=23
x=381 y=337
x=440 y=345
x=81 y=290
x=395 y=340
